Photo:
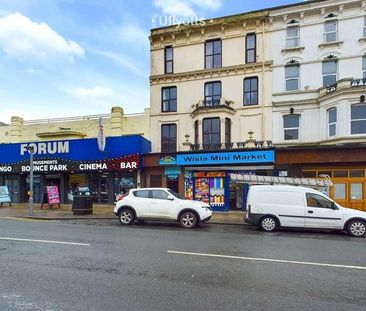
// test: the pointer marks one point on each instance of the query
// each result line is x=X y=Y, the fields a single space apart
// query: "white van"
x=272 y=207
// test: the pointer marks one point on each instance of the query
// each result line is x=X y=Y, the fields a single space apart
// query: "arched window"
x=332 y=121
x=292 y=75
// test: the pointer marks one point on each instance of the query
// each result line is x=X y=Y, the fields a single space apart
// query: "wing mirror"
x=170 y=197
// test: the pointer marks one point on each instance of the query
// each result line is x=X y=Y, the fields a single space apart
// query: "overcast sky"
x=62 y=58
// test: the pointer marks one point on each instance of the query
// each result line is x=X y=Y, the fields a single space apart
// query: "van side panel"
x=287 y=205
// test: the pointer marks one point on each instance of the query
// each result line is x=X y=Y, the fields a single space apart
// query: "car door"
x=161 y=206
x=321 y=212
x=142 y=203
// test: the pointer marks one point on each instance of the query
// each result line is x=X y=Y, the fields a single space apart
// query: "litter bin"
x=82 y=203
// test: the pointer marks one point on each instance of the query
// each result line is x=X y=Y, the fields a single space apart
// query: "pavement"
x=99 y=212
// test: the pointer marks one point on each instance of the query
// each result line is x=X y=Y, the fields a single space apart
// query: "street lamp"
x=31 y=152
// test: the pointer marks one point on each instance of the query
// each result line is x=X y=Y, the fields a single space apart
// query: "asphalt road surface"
x=100 y=265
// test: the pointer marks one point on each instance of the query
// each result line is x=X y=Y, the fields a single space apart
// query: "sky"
x=63 y=58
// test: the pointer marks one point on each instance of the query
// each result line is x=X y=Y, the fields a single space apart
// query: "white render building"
x=319 y=87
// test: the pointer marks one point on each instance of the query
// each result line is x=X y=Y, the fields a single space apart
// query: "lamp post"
x=31 y=152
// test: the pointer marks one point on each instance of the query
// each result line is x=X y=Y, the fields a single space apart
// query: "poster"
x=4 y=194
x=53 y=195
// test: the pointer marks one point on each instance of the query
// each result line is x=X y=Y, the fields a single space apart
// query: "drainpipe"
x=262 y=88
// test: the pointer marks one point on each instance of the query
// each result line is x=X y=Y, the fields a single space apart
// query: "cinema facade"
x=72 y=163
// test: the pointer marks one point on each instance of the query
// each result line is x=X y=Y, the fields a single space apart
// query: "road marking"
x=25 y=219
x=43 y=241
x=308 y=263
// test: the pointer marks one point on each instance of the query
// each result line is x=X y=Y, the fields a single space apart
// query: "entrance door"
x=100 y=188
x=37 y=191
x=173 y=185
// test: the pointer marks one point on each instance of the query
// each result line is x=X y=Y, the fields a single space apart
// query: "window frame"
x=212 y=84
x=364 y=66
x=335 y=60
x=213 y=53
x=292 y=78
x=326 y=33
x=332 y=123
x=251 y=49
x=250 y=91
x=211 y=133
x=163 y=101
x=196 y=133
x=227 y=131
x=357 y=120
x=171 y=141
x=297 y=38
x=166 y=61
x=364 y=26
x=291 y=128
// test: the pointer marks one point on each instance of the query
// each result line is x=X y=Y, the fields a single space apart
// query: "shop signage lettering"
x=127 y=165
x=6 y=168
x=265 y=156
x=93 y=166
x=51 y=147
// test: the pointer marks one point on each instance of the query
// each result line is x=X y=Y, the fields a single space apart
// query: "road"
x=163 y=267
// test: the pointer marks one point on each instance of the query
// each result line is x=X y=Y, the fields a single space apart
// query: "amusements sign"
x=4 y=195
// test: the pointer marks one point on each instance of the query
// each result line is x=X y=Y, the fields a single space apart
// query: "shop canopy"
x=312 y=182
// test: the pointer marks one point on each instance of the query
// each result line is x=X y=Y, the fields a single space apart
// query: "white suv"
x=160 y=204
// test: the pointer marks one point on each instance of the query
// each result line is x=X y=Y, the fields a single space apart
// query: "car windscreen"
x=177 y=195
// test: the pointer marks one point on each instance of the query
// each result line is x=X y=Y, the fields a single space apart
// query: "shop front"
x=69 y=164
x=206 y=175
x=346 y=166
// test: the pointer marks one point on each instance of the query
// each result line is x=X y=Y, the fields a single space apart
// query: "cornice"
x=252 y=68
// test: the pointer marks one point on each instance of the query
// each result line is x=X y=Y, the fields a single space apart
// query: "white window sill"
x=294 y=49
x=330 y=44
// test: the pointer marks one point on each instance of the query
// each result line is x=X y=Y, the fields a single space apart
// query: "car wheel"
x=126 y=217
x=188 y=220
x=356 y=228
x=268 y=224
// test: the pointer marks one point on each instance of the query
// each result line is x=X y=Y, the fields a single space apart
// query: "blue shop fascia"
x=207 y=174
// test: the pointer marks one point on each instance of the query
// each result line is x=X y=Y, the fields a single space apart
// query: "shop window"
x=292 y=73
x=227 y=131
x=328 y=173
x=251 y=48
x=291 y=126
x=169 y=99
x=211 y=132
x=292 y=38
x=309 y=174
x=168 y=59
x=330 y=31
x=250 y=91
x=212 y=93
x=364 y=66
x=339 y=191
x=213 y=54
x=332 y=122
x=156 y=180
x=358 y=119
x=329 y=71
x=340 y=173
x=356 y=173
x=356 y=191
x=169 y=138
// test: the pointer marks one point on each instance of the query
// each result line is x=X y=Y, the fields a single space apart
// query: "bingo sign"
x=53 y=195
x=4 y=195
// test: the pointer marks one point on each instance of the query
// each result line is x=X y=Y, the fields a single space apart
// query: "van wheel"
x=188 y=220
x=268 y=224
x=356 y=228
